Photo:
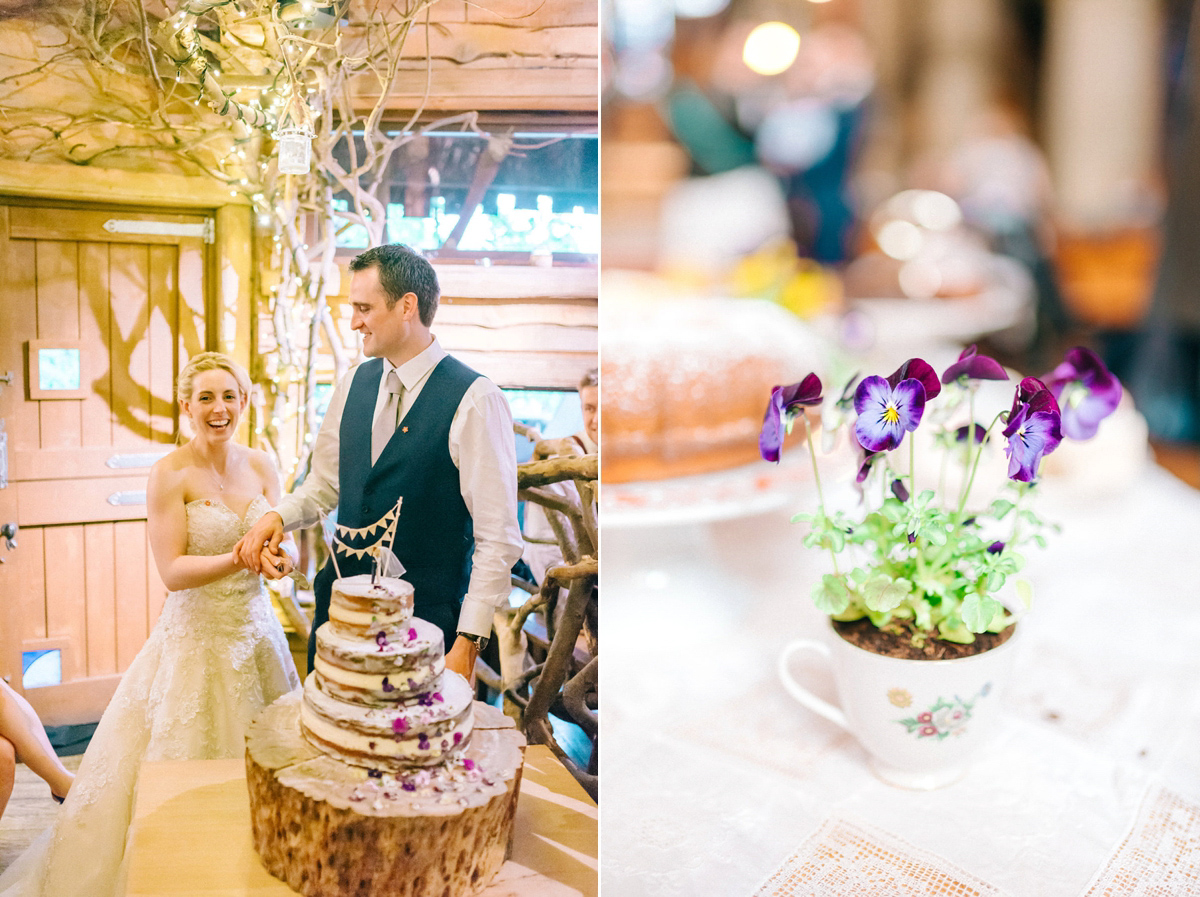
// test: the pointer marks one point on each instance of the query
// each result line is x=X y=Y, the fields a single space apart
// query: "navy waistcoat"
x=434 y=538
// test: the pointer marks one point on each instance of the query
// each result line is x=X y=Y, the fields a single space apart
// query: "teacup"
x=919 y=720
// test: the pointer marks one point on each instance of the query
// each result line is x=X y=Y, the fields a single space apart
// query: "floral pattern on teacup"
x=944 y=718
x=900 y=697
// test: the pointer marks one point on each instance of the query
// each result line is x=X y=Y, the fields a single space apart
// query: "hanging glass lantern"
x=295 y=150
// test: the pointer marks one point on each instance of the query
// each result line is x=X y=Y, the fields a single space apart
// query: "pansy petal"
x=918 y=369
x=974 y=367
x=806 y=392
x=770 y=439
x=909 y=398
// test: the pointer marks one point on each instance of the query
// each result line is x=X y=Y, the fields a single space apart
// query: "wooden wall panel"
x=94 y=327
x=47 y=502
x=32 y=558
x=99 y=551
x=24 y=428
x=535 y=13
x=130 y=541
x=129 y=359
x=160 y=340
x=66 y=615
x=58 y=318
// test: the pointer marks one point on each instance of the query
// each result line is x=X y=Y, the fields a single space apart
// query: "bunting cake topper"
x=385 y=526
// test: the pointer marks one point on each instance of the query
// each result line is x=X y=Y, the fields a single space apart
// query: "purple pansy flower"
x=996 y=547
x=917 y=369
x=899 y=490
x=1033 y=430
x=1086 y=390
x=960 y=435
x=785 y=400
x=885 y=412
x=974 y=367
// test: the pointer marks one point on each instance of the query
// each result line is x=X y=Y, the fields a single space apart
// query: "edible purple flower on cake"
x=381 y=640
x=387 y=686
x=972 y=366
x=886 y=413
x=437 y=696
x=468 y=764
x=412 y=635
x=458 y=736
x=785 y=403
x=399 y=725
x=374 y=773
x=409 y=786
x=1086 y=391
x=423 y=742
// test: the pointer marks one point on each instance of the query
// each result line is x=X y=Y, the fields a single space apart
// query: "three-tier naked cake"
x=382 y=775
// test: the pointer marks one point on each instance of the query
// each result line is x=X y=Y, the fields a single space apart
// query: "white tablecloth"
x=712 y=774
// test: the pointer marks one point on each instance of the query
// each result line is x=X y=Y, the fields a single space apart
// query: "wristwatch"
x=479 y=640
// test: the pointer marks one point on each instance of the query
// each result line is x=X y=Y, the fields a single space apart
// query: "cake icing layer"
x=359 y=607
x=424 y=730
x=383 y=669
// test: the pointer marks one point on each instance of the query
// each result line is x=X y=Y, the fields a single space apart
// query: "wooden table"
x=190 y=835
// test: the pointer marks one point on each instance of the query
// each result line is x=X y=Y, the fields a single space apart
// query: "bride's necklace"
x=211 y=471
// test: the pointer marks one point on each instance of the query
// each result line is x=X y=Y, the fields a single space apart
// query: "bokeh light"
x=771 y=48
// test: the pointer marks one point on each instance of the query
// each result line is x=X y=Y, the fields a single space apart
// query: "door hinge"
x=205 y=230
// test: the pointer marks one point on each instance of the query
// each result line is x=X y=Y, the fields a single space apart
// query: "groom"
x=416 y=423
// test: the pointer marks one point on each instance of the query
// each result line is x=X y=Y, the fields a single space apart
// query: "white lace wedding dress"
x=215 y=658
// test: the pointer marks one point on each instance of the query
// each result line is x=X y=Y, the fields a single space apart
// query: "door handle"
x=9 y=532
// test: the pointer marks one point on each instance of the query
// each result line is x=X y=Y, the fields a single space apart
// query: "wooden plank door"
x=130 y=309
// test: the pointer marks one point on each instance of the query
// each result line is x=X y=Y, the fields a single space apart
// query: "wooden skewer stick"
x=332 y=546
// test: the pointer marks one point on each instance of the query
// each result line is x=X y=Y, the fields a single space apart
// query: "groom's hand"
x=264 y=538
x=461 y=659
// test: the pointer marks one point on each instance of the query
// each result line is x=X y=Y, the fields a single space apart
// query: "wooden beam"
x=86 y=183
x=517 y=282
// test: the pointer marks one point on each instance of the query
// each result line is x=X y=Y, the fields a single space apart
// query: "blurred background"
x=1024 y=174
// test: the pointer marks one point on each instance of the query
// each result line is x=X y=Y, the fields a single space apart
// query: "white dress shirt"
x=481 y=447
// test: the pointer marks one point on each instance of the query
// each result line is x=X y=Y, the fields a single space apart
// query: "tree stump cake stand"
x=330 y=829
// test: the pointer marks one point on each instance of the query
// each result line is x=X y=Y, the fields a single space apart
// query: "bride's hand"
x=276 y=566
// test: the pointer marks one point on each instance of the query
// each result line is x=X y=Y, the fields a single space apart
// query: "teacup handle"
x=801 y=694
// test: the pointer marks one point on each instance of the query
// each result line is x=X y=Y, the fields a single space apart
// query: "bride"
x=216 y=656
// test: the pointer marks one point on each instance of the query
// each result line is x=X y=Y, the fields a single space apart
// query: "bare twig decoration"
x=558 y=678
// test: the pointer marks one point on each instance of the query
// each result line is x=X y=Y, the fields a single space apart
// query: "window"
x=447 y=195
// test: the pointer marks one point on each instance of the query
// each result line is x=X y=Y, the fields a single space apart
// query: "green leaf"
x=978 y=611
x=1000 y=508
x=831 y=595
x=882 y=593
x=1025 y=592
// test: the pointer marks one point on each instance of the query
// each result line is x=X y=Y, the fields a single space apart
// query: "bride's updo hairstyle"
x=198 y=364
x=210 y=361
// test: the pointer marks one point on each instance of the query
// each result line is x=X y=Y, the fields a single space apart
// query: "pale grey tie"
x=389 y=416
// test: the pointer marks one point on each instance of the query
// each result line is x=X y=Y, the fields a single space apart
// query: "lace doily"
x=1159 y=855
x=843 y=859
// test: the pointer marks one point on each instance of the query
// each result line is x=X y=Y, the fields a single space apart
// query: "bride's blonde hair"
x=210 y=361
